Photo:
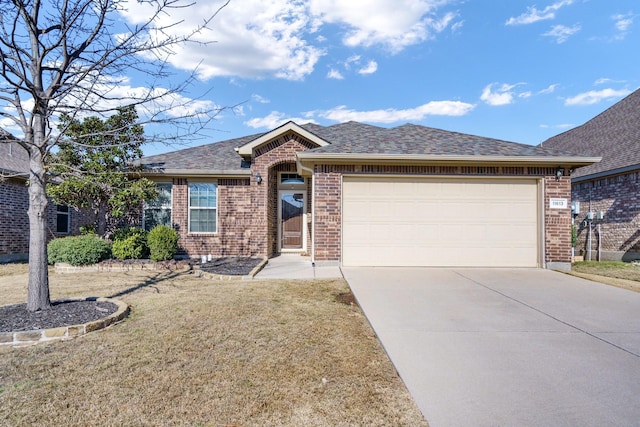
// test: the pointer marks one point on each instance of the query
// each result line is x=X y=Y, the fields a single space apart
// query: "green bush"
x=130 y=243
x=123 y=233
x=163 y=242
x=78 y=250
x=55 y=249
x=88 y=229
x=134 y=247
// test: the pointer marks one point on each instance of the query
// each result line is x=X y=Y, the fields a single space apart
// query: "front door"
x=291 y=224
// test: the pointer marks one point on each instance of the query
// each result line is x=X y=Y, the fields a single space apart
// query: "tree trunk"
x=38 y=290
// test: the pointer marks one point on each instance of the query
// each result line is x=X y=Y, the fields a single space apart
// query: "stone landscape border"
x=66 y=332
x=213 y=276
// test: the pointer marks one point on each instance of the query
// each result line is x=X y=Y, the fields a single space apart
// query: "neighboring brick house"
x=610 y=189
x=363 y=195
x=14 y=203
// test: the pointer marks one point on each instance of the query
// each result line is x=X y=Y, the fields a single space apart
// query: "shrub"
x=78 y=250
x=134 y=247
x=163 y=242
x=88 y=229
x=130 y=243
x=123 y=233
x=54 y=250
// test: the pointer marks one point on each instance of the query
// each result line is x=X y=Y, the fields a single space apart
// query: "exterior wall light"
x=258 y=178
x=559 y=173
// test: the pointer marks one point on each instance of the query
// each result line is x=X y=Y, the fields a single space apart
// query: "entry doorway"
x=291 y=230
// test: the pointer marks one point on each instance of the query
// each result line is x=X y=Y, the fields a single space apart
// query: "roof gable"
x=613 y=134
x=247 y=149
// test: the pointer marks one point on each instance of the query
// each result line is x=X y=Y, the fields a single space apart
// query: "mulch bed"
x=16 y=318
x=230 y=266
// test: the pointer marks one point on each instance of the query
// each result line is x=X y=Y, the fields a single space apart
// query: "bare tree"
x=66 y=57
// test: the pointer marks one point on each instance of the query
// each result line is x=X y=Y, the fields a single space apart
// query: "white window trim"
x=189 y=208
x=290 y=186
x=168 y=206
x=303 y=249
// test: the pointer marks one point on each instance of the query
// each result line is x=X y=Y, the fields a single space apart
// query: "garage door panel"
x=440 y=222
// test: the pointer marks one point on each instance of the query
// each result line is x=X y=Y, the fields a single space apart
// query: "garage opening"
x=440 y=222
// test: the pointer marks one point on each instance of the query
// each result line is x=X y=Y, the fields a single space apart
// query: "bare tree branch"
x=68 y=57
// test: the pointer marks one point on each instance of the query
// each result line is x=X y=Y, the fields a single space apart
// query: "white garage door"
x=474 y=222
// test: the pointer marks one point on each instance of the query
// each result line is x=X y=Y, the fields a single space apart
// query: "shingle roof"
x=614 y=135
x=219 y=156
x=356 y=138
x=420 y=140
x=14 y=160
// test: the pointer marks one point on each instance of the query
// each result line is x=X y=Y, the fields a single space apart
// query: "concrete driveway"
x=507 y=347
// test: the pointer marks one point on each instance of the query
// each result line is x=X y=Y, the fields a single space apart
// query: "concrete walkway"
x=295 y=266
x=507 y=347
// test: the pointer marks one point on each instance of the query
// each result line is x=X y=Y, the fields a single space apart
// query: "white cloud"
x=623 y=21
x=595 y=96
x=526 y=94
x=391 y=115
x=561 y=32
x=560 y=126
x=260 y=99
x=394 y=25
x=343 y=114
x=282 y=39
x=548 y=90
x=251 y=38
x=275 y=119
x=495 y=94
x=370 y=68
x=605 y=80
x=334 y=74
x=534 y=15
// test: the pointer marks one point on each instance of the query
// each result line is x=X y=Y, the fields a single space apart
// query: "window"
x=158 y=212
x=63 y=219
x=203 y=204
x=291 y=178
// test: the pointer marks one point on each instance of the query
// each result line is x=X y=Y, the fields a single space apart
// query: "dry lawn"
x=621 y=274
x=197 y=352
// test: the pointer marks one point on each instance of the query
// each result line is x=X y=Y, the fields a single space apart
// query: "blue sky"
x=516 y=70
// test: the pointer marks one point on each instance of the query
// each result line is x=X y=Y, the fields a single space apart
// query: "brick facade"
x=247 y=211
x=328 y=193
x=248 y=215
x=14 y=221
x=557 y=222
x=618 y=233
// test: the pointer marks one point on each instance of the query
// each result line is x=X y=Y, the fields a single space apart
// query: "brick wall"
x=14 y=223
x=618 y=197
x=277 y=156
x=14 y=220
x=328 y=181
x=247 y=211
x=235 y=235
x=557 y=221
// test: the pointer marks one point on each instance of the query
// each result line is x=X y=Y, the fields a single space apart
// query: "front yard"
x=621 y=274
x=205 y=353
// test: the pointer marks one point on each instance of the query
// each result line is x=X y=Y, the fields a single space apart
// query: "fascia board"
x=409 y=158
x=247 y=149
x=198 y=173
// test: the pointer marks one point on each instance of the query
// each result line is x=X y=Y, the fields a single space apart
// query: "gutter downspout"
x=313 y=211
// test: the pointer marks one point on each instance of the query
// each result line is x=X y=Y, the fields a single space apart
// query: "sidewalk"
x=295 y=266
